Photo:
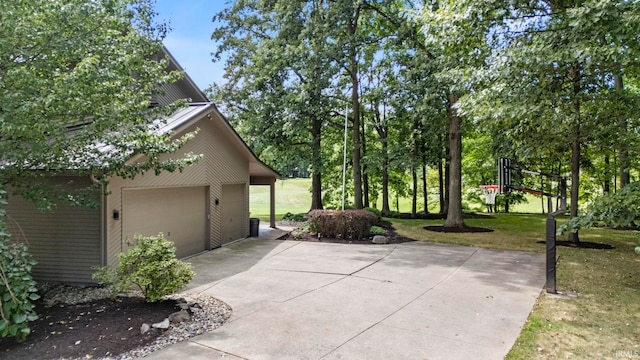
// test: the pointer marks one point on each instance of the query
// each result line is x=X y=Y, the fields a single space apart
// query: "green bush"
x=375 y=211
x=347 y=224
x=294 y=217
x=377 y=230
x=151 y=265
x=17 y=287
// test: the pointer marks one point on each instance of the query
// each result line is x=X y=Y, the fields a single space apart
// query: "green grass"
x=292 y=195
x=600 y=322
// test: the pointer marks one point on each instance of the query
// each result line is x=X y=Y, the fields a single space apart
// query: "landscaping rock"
x=379 y=239
x=144 y=328
x=161 y=325
x=180 y=316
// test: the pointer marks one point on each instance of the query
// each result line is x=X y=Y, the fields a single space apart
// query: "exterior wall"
x=66 y=242
x=222 y=163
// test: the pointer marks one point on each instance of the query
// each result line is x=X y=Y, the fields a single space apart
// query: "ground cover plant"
x=599 y=317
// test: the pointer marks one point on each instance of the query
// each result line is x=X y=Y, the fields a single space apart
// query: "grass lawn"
x=599 y=321
x=292 y=195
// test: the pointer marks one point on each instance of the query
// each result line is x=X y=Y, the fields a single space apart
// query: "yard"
x=599 y=315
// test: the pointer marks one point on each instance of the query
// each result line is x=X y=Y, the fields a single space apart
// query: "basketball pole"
x=504 y=178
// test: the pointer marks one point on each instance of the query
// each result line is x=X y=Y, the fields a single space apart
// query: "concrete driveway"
x=301 y=300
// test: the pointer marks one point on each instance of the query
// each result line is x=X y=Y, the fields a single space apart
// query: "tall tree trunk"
x=355 y=109
x=425 y=195
x=575 y=180
x=383 y=133
x=385 y=177
x=414 y=197
x=316 y=164
x=606 y=186
x=447 y=167
x=623 y=151
x=414 y=171
x=454 y=212
x=441 y=186
x=575 y=153
x=365 y=172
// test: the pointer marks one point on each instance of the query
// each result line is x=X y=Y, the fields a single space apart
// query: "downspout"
x=103 y=223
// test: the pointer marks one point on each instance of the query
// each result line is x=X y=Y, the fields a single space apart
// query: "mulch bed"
x=94 y=329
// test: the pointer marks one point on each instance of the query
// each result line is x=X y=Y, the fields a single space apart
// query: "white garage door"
x=180 y=213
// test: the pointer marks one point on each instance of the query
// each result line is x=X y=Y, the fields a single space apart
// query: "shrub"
x=151 y=265
x=17 y=287
x=354 y=224
x=375 y=211
x=299 y=233
x=294 y=217
x=377 y=230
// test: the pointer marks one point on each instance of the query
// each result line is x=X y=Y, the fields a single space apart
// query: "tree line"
x=551 y=84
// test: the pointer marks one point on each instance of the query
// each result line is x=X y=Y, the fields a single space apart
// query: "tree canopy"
x=437 y=92
x=76 y=84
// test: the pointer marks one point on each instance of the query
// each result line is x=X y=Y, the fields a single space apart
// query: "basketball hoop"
x=490 y=192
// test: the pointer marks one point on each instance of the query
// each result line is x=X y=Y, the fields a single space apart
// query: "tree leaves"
x=77 y=78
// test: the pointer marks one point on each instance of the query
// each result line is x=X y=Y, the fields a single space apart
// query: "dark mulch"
x=464 y=229
x=394 y=238
x=91 y=330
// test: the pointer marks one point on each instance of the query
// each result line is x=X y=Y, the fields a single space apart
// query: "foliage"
x=620 y=209
x=299 y=233
x=77 y=78
x=375 y=211
x=151 y=266
x=348 y=224
x=377 y=230
x=294 y=217
x=17 y=287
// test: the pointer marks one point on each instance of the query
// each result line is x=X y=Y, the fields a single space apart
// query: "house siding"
x=223 y=163
x=66 y=242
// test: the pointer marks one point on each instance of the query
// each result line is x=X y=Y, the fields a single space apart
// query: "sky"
x=189 y=40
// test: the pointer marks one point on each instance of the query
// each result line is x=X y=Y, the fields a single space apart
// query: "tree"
x=278 y=71
x=76 y=85
x=454 y=33
x=545 y=63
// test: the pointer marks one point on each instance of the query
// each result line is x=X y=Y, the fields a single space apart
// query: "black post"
x=551 y=251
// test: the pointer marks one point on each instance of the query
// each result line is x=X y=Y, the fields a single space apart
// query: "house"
x=201 y=208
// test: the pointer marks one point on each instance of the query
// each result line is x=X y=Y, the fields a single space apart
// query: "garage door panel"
x=233 y=212
x=180 y=213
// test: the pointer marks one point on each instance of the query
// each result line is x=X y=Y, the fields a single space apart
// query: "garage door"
x=234 y=214
x=180 y=213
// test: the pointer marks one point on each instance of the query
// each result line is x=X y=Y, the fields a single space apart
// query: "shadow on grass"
x=582 y=245
x=464 y=229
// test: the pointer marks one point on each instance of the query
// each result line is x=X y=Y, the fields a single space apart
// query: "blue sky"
x=190 y=38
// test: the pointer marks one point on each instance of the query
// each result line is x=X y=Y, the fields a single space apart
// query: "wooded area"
x=434 y=86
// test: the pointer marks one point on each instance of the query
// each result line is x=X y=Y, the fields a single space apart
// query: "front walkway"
x=300 y=300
